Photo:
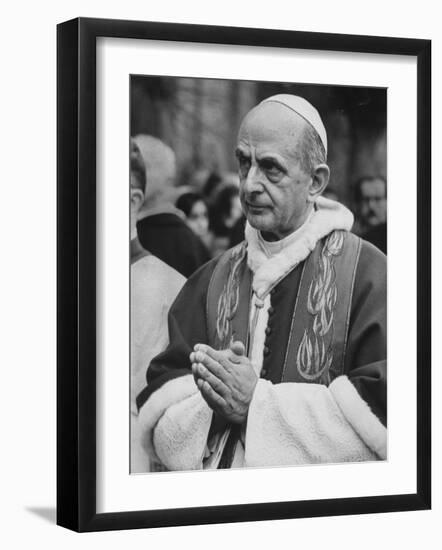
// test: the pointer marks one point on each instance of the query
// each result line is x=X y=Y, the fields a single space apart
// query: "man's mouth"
x=254 y=206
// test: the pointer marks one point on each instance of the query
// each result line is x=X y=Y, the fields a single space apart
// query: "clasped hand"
x=226 y=380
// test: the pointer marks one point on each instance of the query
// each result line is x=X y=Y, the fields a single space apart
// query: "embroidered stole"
x=319 y=326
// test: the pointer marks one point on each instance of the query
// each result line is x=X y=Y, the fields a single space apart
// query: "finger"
x=195 y=372
x=220 y=356
x=211 y=396
x=238 y=348
x=215 y=383
x=213 y=366
x=205 y=348
x=199 y=347
x=194 y=366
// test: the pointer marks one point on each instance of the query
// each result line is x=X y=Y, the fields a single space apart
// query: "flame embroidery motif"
x=228 y=300
x=315 y=353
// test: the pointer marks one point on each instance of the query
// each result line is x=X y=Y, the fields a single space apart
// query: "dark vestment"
x=311 y=403
x=365 y=357
x=168 y=237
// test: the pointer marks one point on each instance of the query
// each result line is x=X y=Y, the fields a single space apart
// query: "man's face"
x=198 y=219
x=373 y=205
x=273 y=187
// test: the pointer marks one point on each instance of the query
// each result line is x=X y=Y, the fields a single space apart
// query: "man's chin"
x=259 y=222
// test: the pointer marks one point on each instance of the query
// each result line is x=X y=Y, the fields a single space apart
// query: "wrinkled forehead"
x=271 y=124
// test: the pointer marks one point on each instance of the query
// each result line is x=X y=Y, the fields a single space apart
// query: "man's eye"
x=272 y=170
x=244 y=166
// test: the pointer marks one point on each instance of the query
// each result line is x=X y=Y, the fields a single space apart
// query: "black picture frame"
x=77 y=287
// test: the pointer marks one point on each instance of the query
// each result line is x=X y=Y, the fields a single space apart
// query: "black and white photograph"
x=258 y=274
x=219 y=226
x=244 y=243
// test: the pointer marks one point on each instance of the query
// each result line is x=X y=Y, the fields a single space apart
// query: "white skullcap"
x=304 y=109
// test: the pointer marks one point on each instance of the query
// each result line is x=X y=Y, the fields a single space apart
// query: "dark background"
x=199 y=119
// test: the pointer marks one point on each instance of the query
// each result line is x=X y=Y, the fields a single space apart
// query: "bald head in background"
x=160 y=225
x=160 y=163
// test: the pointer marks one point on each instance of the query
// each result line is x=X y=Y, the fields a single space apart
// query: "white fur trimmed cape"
x=288 y=423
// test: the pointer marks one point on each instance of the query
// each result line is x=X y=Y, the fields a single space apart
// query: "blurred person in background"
x=224 y=214
x=197 y=217
x=161 y=228
x=154 y=286
x=371 y=206
x=211 y=186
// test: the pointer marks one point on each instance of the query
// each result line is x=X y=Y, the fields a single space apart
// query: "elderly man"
x=278 y=347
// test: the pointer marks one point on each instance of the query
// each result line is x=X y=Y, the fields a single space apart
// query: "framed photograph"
x=234 y=277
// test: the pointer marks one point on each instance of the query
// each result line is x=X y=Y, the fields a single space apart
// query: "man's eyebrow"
x=270 y=157
x=240 y=152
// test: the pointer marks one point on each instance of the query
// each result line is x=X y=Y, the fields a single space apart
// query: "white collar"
x=272 y=263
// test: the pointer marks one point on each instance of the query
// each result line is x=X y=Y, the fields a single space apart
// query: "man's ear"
x=320 y=177
x=136 y=199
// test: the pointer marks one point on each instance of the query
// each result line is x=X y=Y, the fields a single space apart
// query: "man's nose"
x=252 y=183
